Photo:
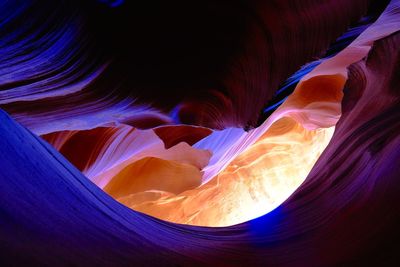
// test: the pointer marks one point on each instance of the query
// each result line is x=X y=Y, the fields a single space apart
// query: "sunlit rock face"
x=127 y=128
x=254 y=183
x=225 y=178
x=170 y=183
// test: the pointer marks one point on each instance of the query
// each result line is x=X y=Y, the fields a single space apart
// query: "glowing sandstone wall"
x=325 y=161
